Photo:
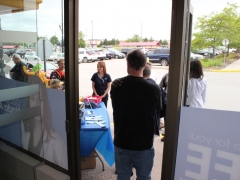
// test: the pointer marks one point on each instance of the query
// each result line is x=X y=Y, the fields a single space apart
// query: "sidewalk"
x=234 y=67
x=109 y=173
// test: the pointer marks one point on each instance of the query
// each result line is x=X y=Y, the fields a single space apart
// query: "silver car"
x=32 y=56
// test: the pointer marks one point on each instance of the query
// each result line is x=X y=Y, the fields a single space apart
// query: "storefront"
x=29 y=138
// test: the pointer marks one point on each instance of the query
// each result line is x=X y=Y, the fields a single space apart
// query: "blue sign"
x=208 y=145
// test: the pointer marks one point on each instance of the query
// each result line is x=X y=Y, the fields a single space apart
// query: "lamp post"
x=61 y=27
x=92 y=34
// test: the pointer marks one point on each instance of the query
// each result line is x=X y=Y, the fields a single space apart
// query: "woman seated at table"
x=101 y=82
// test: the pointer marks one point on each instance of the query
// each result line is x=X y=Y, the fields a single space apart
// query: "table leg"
x=99 y=158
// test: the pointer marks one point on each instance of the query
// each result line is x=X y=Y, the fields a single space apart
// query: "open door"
x=178 y=75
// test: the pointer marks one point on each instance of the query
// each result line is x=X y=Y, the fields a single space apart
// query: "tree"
x=145 y=40
x=165 y=42
x=213 y=28
x=135 y=38
x=81 y=42
x=40 y=37
x=160 y=41
x=151 y=39
x=54 y=40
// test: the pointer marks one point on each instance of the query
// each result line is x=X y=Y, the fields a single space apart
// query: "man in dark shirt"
x=136 y=106
x=164 y=82
x=164 y=85
x=147 y=74
x=17 y=72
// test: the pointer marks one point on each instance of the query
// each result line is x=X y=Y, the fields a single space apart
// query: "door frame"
x=71 y=12
x=178 y=70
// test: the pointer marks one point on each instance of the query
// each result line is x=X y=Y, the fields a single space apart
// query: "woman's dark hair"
x=136 y=59
x=196 y=70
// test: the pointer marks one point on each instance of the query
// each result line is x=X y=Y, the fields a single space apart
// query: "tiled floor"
x=109 y=173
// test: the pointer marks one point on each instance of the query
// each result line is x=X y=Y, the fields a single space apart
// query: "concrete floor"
x=109 y=173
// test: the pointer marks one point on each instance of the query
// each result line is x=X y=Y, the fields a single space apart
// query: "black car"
x=9 y=52
x=109 y=55
x=126 y=50
x=21 y=53
x=205 y=52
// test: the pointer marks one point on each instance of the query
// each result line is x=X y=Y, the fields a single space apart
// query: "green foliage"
x=135 y=38
x=213 y=28
x=164 y=42
x=110 y=42
x=211 y=63
x=151 y=39
x=81 y=42
x=54 y=40
x=40 y=37
x=145 y=40
x=37 y=67
x=217 y=62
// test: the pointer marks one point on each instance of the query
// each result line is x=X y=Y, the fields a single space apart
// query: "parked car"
x=28 y=50
x=49 y=67
x=108 y=54
x=205 y=52
x=232 y=50
x=85 y=55
x=160 y=55
x=93 y=54
x=52 y=57
x=125 y=50
x=56 y=57
x=144 y=50
x=32 y=56
x=196 y=56
x=9 y=52
x=100 y=54
x=21 y=53
x=116 y=54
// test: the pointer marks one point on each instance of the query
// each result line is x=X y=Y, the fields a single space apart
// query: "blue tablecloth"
x=93 y=136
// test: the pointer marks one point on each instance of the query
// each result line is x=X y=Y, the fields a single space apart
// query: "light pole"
x=61 y=27
x=92 y=34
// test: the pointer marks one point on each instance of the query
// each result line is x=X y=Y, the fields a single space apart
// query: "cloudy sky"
x=109 y=18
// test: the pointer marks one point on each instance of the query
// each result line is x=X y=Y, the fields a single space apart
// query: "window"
x=157 y=51
x=165 y=51
x=81 y=52
x=150 y=52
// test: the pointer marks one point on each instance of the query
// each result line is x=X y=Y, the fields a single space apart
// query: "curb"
x=226 y=70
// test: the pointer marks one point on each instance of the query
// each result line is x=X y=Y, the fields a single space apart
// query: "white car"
x=56 y=57
x=232 y=50
x=85 y=55
x=53 y=56
x=144 y=50
x=196 y=56
x=100 y=54
x=32 y=56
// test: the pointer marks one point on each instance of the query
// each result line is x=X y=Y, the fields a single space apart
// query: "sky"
x=109 y=19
